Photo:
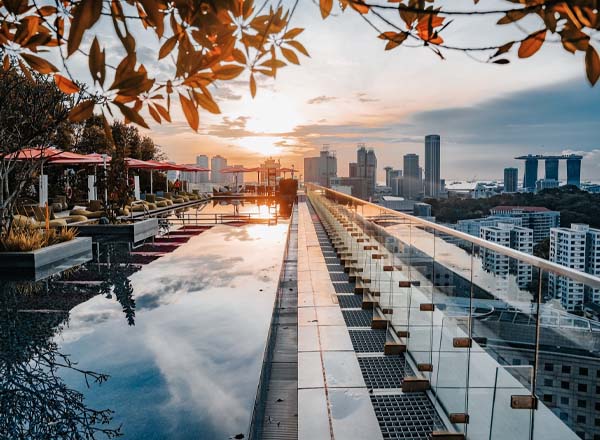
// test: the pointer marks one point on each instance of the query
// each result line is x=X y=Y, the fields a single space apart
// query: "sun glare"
x=265 y=145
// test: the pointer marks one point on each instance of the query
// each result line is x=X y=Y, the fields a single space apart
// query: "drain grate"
x=368 y=341
x=356 y=318
x=385 y=371
x=406 y=417
x=352 y=302
x=338 y=276
x=344 y=287
x=331 y=260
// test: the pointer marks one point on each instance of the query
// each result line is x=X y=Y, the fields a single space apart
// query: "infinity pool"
x=182 y=339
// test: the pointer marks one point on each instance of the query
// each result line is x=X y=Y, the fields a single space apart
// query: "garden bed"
x=121 y=233
x=44 y=262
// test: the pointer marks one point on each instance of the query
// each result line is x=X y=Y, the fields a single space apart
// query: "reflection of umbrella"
x=287 y=170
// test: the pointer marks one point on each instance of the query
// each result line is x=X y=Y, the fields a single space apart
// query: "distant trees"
x=574 y=205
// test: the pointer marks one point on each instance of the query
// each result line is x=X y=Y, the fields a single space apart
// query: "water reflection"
x=35 y=401
x=176 y=329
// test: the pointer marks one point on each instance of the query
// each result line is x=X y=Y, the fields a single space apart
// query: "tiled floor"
x=333 y=400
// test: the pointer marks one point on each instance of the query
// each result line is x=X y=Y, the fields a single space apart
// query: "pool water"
x=182 y=339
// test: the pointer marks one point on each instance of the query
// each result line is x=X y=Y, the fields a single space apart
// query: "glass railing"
x=496 y=335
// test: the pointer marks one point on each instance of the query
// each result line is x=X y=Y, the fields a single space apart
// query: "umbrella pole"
x=151 y=192
x=167 y=181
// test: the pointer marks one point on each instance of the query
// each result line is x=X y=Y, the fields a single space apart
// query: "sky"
x=350 y=90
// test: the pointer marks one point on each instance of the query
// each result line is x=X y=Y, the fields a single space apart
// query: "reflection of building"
x=511 y=180
x=432 y=165
x=411 y=182
x=237 y=177
x=540 y=219
x=514 y=237
x=217 y=163
x=359 y=186
x=202 y=161
x=321 y=169
x=473 y=226
x=577 y=247
x=567 y=363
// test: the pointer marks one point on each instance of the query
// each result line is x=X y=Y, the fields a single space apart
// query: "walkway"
x=333 y=399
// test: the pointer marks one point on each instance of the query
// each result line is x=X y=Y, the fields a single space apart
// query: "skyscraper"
x=321 y=169
x=202 y=161
x=366 y=167
x=217 y=163
x=511 y=180
x=574 y=170
x=411 y=183
x=432 y=165
x=531 y=172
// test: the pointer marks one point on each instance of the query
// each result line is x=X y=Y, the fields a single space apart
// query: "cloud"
x=364 y=97
x=226 y=93
x=321 y=99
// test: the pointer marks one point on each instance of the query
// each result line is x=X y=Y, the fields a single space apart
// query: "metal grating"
x=343 y=287
x=385 y=371
x=406 y=417
x=335 y=267
x=332 y=260
x=357 y=318
x=338 y=276
x=351 y=302
x=368 y=341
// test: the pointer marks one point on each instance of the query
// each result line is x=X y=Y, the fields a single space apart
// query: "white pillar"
x=136 y=187
x=43 y=190
x=92 y=190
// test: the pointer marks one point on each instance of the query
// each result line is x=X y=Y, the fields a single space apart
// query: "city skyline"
x=540 y=105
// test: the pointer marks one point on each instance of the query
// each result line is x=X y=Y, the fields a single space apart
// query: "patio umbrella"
x=235 y=170
x=287 y=170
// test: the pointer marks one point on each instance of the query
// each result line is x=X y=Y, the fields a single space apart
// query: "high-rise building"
x=511 y=180
x=473 y=226
x=411 y=183
x=577 y=247
x=574 y=170
x=321 y=169
x=538 y=218
x=217 y=163
x=551 y=168
x=366 y=167
x=202 y=161
x=432 y=165
x=531 y=173
x=388 y=176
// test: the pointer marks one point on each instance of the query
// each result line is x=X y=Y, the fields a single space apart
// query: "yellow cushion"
x=22 y=220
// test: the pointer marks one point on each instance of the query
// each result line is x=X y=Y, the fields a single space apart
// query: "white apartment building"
x=473 y=226
x=514 y=237
x=538 y=218
x=202 y=161
x=577 y=247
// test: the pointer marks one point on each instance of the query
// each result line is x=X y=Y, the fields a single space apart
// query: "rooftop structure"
x=551 y=166
x=538 y=218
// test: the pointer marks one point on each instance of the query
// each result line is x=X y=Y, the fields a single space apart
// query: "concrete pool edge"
x=275 y=413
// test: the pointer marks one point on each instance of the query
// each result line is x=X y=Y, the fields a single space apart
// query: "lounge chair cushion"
x=74 y=218
x=86 y=213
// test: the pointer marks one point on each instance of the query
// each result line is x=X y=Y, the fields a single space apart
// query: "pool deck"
x=333 y=399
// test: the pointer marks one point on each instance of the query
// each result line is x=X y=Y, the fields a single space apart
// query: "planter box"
x=42 y=263
x=126 y=233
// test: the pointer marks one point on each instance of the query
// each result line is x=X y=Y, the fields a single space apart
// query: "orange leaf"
x=86 y=14
x=592 y=65
x=39 y=64
x=131 y=114
x=82 y=111
x=96 y=62
x=163 y=112
x=290 y=55
x=154 y=114
x=532 y=44
x=167 y=47
x=190 y=111
x=65 y=84
x=298 y=46
x=228 y=71
x=252 y=86
x=325 y=6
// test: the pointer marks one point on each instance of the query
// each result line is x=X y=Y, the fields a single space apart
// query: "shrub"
x=26 y=238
